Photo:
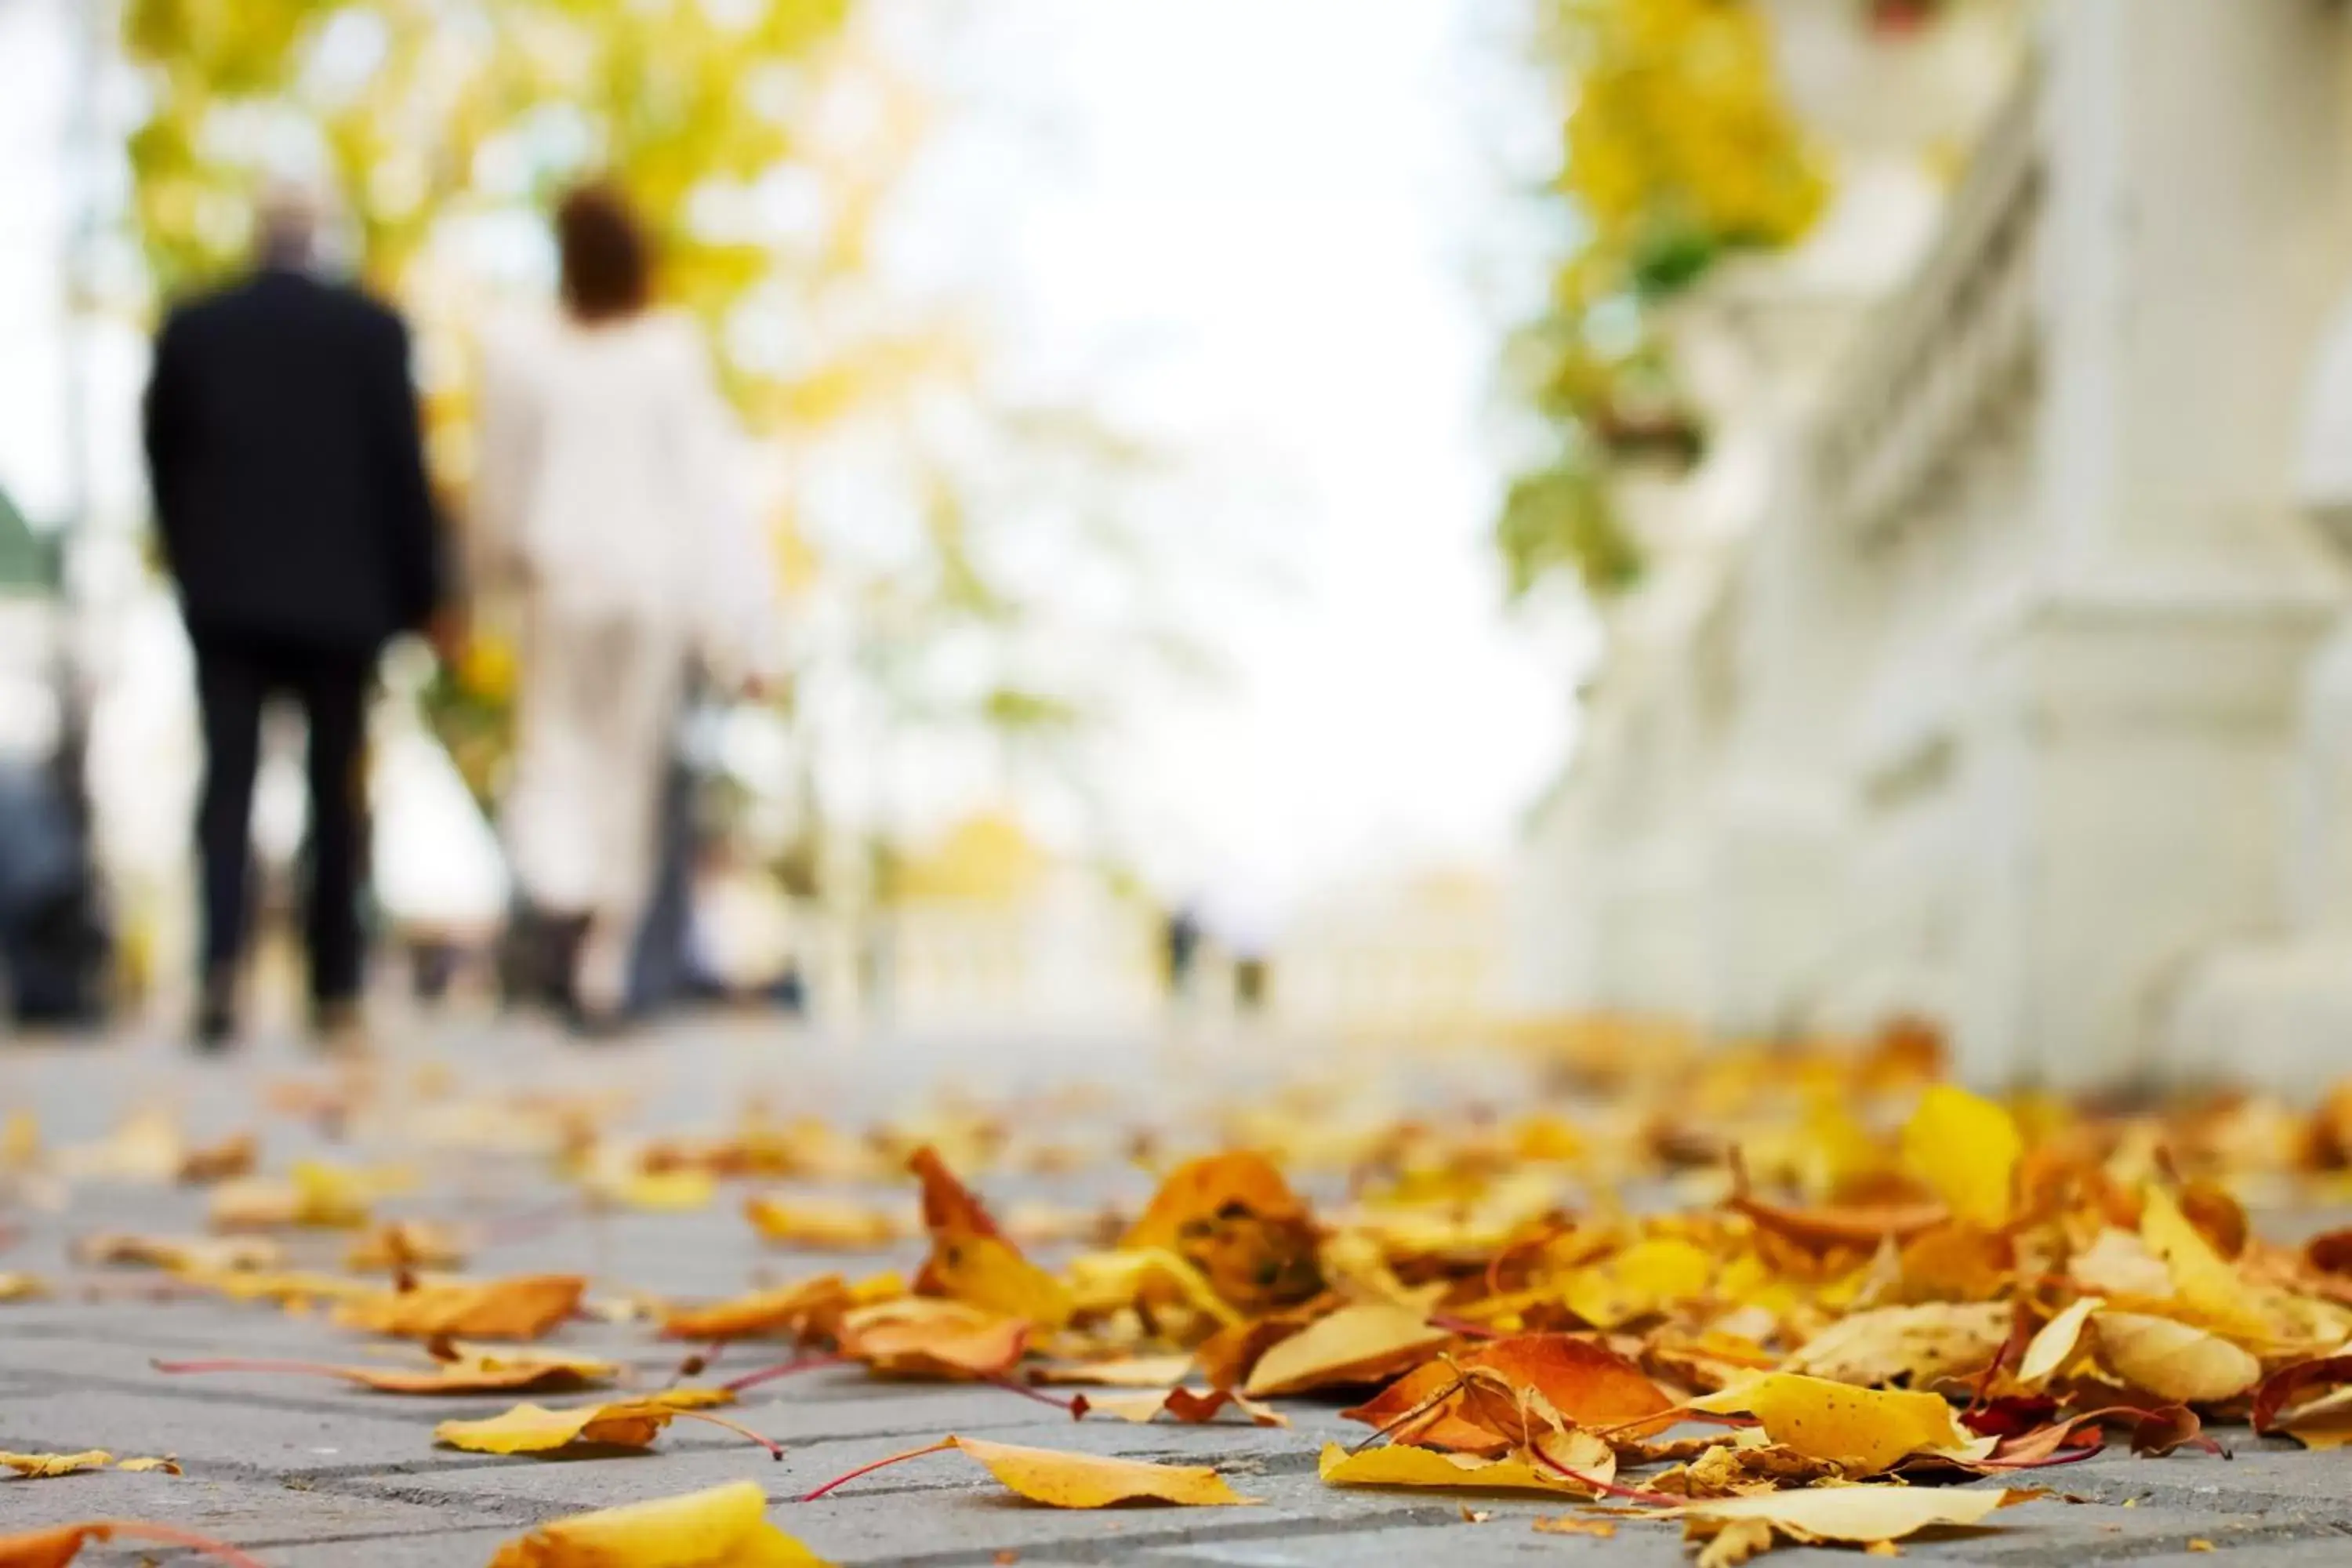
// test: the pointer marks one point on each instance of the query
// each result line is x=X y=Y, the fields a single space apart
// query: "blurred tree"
x=1677 y=150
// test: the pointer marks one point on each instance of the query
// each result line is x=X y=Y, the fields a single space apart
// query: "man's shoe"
x=216 y=1028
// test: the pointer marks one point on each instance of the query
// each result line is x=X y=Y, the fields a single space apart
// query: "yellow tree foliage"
x=1678 y=148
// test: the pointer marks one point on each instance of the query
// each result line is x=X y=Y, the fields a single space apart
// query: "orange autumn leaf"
x=971 y=1261
x=58 y=1545
x=789 y=1308
x=1233 y=1217
x=1585 y=1383
x=927 y=1337
x=521 y=1307
x=724 y=1527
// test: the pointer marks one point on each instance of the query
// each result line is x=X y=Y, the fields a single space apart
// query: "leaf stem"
x=775 y=1450
x=942 y=1447
x=241 y=1363
x=783 y=1369
x=106 y=1528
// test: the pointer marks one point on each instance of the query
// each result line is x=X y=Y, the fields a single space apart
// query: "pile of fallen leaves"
x=1773 y=1297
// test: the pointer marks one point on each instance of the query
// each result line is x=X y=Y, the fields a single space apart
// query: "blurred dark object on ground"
x=54 y=938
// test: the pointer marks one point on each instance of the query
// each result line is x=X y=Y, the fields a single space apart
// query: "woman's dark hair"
x=607 y=259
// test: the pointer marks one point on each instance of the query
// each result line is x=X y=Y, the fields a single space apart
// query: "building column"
x=2128 y=739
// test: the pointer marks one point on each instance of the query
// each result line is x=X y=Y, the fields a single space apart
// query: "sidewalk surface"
x=303 y=1470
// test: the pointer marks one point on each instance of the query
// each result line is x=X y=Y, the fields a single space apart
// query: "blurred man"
x=288 y=477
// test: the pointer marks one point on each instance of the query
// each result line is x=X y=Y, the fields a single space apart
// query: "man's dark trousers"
x=235 y=677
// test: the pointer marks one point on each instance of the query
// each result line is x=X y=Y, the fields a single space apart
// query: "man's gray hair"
x=289 y=219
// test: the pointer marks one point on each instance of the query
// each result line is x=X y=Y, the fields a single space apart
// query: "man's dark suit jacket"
x=288 y=466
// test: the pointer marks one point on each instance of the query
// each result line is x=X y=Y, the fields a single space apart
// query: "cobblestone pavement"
x=302 y=1471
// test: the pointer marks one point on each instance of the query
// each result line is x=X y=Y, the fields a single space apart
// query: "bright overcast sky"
x=1262 y=224
x=1268 y=221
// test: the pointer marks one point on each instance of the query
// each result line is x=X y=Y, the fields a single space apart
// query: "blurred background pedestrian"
x=292 y=501
x=608 y=509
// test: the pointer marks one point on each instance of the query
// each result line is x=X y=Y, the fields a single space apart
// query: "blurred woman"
x=610 y=510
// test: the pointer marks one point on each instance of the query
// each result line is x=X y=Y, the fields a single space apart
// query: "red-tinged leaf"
x=2287 y=1387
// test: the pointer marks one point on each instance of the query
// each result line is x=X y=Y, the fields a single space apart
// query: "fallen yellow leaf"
x=1403 y=1465
x=2203 y=1279
x=2173 y=1361
x=2047 y=1353
x=1061 y=1480
x=1862 y=1431
x=1362 y=1343
x=38 y=1466
x=725 y=1527
x=1648 y=1277
x=1965 y=1150
x=1852 y=1516
x=536 y=1429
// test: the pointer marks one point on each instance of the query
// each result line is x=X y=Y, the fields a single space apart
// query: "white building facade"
x=1983 y=670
